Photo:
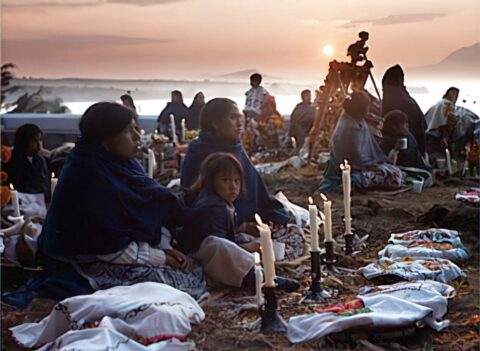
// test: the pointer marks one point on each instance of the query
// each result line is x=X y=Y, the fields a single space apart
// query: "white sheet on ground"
x=413 y=269
x=456 y=254
x=387 y=312
x=437 y=235
x=151 y=311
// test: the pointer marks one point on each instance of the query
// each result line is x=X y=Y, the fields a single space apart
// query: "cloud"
x=82 y=41
x=66 y=3
x=395 y=19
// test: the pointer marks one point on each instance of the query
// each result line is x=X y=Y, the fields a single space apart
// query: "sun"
x=328 y=50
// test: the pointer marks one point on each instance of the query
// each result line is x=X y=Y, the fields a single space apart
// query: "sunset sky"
x=193 y=39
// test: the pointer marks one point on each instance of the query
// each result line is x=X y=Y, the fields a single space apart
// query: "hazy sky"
x=195 y=38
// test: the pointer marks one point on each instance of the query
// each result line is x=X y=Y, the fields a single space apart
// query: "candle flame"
x=310 y=200
x=11 y=186
x=258 y=219
x=323 y=197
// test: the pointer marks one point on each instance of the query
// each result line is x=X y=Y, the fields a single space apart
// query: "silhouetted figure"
x=193 y=120
x=358 y=50
x=176 y=108
x=301 y=119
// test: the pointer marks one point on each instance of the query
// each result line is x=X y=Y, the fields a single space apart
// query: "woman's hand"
x=178 y=260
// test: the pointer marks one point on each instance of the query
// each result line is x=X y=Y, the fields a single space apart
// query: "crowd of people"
x=110 y=224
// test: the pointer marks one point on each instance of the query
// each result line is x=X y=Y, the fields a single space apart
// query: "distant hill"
x=463 y=63
x=243 y=75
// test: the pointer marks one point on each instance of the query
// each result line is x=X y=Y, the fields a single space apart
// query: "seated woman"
x=221 y=126
x=270 y=124
x=396 y=97
x=395 y=129
x=108 y=221
x=352 y=141
x=209 y=229
x=28 y=168
x=448 y=127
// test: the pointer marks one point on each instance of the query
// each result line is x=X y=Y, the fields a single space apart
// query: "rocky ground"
x=230 y=312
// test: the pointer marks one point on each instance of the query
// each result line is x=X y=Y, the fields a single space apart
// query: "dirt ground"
x=229 y=312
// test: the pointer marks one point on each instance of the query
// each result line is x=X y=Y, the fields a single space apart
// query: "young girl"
x=210 y=204
x=209 y=225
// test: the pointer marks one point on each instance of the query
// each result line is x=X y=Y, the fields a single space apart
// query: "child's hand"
x=178 y=260
x=251 y=246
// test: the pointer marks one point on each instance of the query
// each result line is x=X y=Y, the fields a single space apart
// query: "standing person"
x=127 y=101
x=28 y=168
x=193 y=120
x=255 y=97
x=302 y=117
x=178 y=109
x=396 y=97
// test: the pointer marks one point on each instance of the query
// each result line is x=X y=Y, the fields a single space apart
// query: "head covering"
x=394 y=76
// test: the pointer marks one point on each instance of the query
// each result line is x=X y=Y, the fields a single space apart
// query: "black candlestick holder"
x=348 y=244
x=316 y=293
x=271 y=321
x=329 y=258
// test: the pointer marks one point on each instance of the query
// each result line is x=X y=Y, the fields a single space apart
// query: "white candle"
x=268 y=257
x=258 y=280
x=327 y=209
x=151 y=163
x=312 y=211
x=449 y=161
x=172 y=126
x=15 y=203
x=294 y=142
x=183 y=129
x=346 y=180
x=53 y=183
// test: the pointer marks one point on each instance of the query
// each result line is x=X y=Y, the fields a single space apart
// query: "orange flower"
x=5 y=195
x=6 y=154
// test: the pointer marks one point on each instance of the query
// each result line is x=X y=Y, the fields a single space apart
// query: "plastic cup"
x=417 y=186
x=278 y=250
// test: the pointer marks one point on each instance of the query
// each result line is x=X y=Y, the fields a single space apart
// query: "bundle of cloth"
x=144 y=316
x=390 y=307
x=471 y=196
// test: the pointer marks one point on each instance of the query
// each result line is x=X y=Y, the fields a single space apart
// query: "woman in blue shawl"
x=108 y=223
x=221 y=126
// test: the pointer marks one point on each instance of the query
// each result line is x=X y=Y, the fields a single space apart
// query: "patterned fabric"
x=294 y=239
x=102 y=275
x=384 y=176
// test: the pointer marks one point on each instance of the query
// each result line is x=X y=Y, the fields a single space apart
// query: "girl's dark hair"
x=449 y=90
x=357 y=104
x=213 y=165
x=24 y=135
x=392 y=120
x=104 y=120
x=214 y=111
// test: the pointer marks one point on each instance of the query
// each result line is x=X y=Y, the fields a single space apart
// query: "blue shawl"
x=101 y=204
x=207 y=215
x=255 y=198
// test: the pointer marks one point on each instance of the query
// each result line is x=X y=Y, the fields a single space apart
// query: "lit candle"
x=151 y=163
x=183 y=129
x=53 y=183
x=327 y=210
x=449 y=161
x=268 y=257
x=346 y=196
x=258 y=280
x=15 y=203
x=312 y=210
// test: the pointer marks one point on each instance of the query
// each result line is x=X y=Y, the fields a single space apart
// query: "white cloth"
x=255 y=97
x=386 y=312
x=435 y=116
x=302 y=217
x=433 y=234
x=426 y=293
x=107 y=339
x=456 y=254
x=151 y=311
x=413 y=269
